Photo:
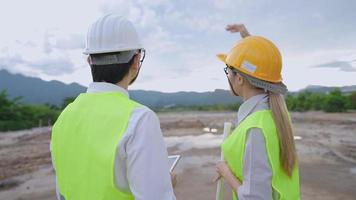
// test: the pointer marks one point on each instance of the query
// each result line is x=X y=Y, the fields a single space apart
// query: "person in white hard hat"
x=104 y=145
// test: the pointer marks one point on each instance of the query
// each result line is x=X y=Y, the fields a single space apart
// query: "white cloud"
x=12 y=60
x=53 y=66
x=299 y=70
x=182 y=38
x=73 y=41
x=50 y=64
x=345 y=66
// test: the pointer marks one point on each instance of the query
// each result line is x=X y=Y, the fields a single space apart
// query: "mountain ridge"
x=38 y=91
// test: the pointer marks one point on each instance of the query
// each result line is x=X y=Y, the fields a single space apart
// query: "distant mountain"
x=160 y=99
x=38 y=91
x=35 y=90
x=324 y=89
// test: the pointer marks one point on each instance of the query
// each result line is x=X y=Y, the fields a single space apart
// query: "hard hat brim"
x=279 y=88
x=109 y=59
x=113 y=50
x=222 y=57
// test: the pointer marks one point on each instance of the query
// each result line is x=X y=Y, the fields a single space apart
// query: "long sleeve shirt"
x=141 y=163
x=257 y=170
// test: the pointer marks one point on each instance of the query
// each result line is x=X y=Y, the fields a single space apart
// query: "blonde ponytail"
x=283 y=123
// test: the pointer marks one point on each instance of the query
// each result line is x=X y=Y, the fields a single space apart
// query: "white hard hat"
x=111 y=33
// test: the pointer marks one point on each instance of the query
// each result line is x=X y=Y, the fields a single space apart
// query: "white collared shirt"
x=141 y=164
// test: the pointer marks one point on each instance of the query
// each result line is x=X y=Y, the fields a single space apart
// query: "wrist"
x=236 y=185
x=232 y=181
x=244 y=32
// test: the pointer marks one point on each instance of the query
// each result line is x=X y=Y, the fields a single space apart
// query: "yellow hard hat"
x=257 y=57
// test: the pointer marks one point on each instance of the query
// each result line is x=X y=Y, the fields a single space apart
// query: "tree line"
x=333 y=101
x=16 y=115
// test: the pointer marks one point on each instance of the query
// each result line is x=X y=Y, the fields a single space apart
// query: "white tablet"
x=173 y=160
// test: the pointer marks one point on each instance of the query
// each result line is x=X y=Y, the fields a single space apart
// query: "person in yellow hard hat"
x=260 y=154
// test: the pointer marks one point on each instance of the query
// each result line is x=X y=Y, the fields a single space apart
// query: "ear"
x=88 y=60
x=136 y=62
x=240 y=79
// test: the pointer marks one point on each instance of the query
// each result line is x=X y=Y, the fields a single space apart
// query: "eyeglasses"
x=143 y=54
x=227 y=68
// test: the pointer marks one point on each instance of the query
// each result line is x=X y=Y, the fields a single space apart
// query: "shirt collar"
x=96 y=87
x=248 y=106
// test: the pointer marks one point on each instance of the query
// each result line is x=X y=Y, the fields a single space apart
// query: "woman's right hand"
x=238 y=28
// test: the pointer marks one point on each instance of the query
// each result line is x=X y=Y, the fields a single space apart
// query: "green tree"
x=335 y=102
x=291 y=102
x=316 y=101
x=351 y=101
x=66 y=101
x=302 y=102
x=15 y=115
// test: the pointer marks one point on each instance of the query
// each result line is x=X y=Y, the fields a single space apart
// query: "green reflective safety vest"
x=84 y=142
x=234 y=147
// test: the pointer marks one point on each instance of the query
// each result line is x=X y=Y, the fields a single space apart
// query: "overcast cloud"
x=316 y=38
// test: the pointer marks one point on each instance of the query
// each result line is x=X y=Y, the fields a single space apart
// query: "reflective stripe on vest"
x=234 y=148
x=84 y=142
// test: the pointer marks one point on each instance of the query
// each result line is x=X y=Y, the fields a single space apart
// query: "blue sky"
x=317 y=39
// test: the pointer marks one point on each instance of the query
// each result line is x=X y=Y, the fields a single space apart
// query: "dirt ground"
x=326 y=145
